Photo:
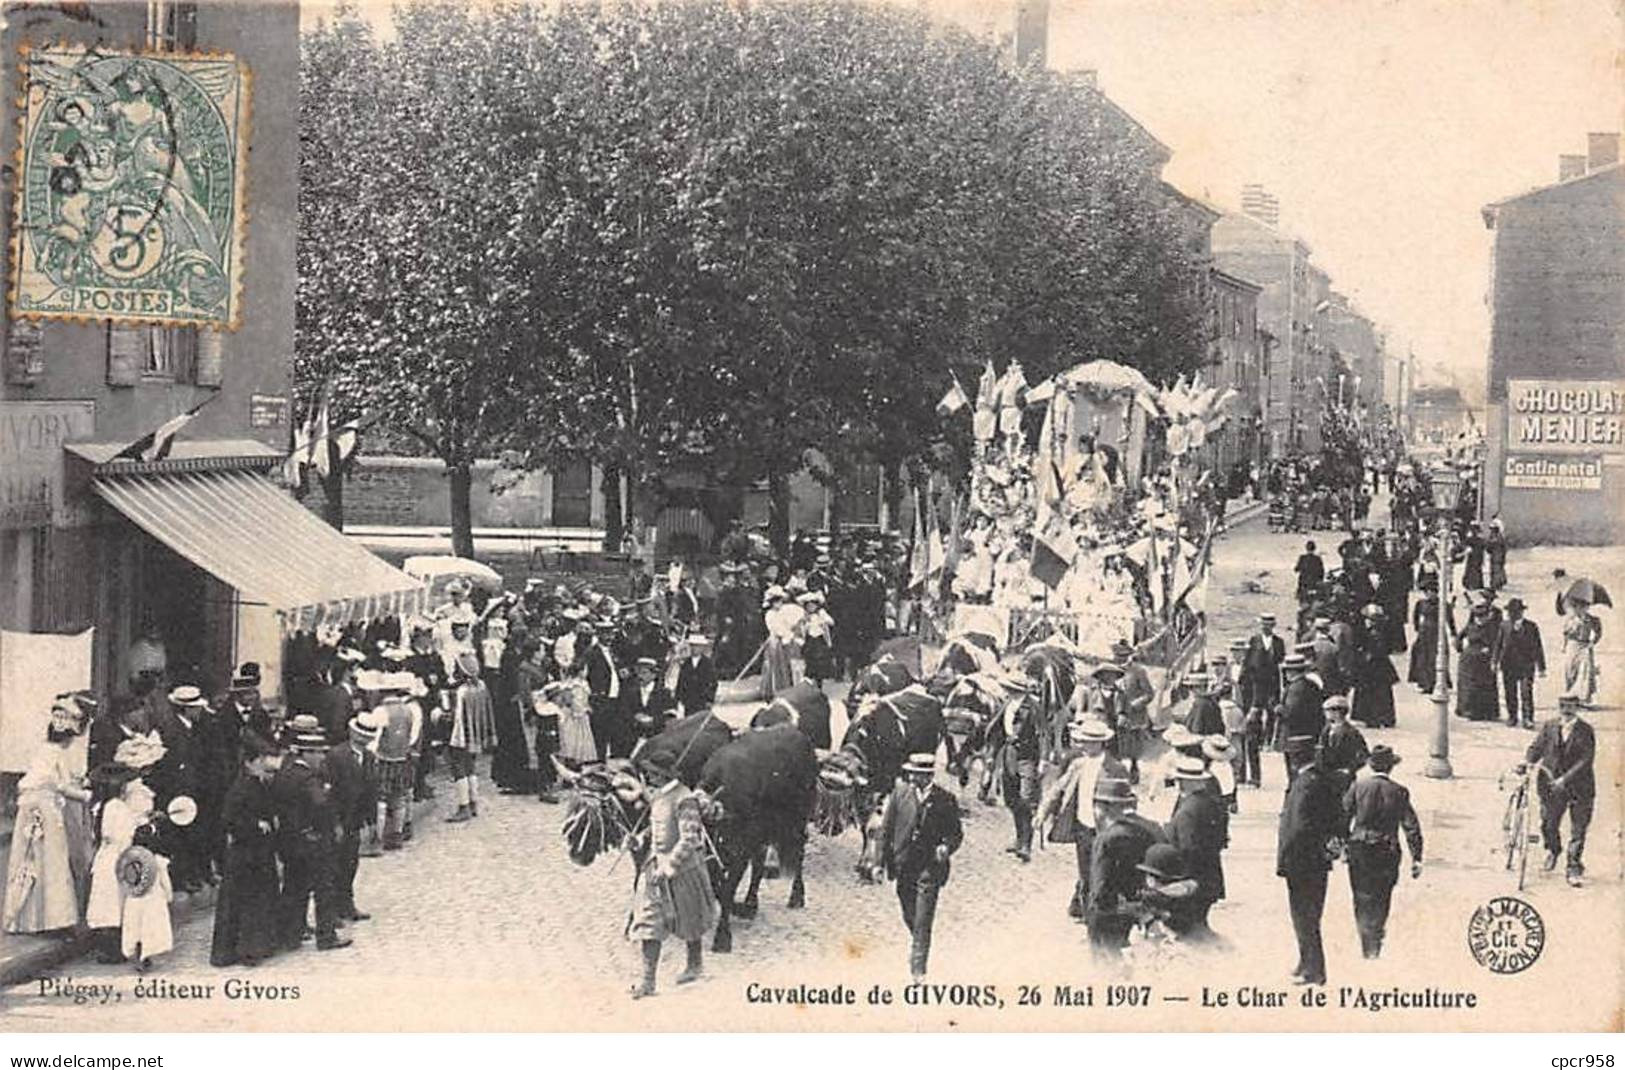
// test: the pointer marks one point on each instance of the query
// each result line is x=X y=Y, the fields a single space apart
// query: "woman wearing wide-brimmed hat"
x=40 y=893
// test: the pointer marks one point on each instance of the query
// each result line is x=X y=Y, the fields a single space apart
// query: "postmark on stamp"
x=1506 y=935
x=130 y=202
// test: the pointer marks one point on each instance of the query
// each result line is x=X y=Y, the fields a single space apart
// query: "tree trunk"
x=778 y=514
x=462 y=509
x=614 y=522
x=333 y=500
x=892 y=478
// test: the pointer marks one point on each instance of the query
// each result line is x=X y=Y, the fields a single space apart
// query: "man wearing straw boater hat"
x=305 y=838
x=398 y=720
x=1379 y=811
x=696 y=677
x=1200 y=828
x=919 y=832
x=1067 y=812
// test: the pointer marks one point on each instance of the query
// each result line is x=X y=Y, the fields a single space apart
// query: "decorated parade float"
x=1088 y=535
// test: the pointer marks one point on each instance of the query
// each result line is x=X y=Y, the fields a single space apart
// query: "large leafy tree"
x=711 y=236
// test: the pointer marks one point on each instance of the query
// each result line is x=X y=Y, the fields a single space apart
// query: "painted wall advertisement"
x=32 y=434
x=1547 y=472
x=1565 y=416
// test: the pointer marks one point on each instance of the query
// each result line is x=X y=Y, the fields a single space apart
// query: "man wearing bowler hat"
x=1523 y=657
x=919 y=832
x=1122 y=838
x=304 y=821
x=1379 y=811
x=1566 y=749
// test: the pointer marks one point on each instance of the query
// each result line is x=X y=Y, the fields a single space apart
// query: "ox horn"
x=567 y=775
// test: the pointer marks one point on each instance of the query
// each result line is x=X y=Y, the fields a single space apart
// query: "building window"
x=171 y=25
x=170 y=353
x=572 y=495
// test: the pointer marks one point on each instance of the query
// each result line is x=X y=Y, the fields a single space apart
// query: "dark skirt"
x=1424 y=661
x=820 y=658
x=1477 y=700
x=510 y=767
x=246 y=908
x=1374 y=696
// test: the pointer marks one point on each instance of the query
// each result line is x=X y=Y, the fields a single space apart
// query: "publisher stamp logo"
x=1506 y=935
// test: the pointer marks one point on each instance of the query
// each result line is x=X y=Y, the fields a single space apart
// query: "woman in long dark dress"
x=1472 y=572
x=246 y=908
x=510 y=766
x=1478 y=699
x=1374 y=684
x=1424 y=652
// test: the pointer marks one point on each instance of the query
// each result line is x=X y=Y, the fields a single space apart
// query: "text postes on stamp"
x=130 y=201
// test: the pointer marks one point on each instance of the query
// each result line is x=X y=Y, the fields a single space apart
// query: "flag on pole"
x=986 y=421
x=156 y=444
x=293 y=469
x=954 y=400
x=1053 y=551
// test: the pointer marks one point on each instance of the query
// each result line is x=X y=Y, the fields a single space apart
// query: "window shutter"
x=25 y=362
x=126 y=353
x=211 y=360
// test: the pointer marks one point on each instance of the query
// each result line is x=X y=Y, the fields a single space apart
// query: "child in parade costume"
x=143 y=874
x=472 y=730
x=672 y=896
x=817 y=629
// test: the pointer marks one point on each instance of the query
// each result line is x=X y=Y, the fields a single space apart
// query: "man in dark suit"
x=696 y=677
x=1522 y=658
x=1327 y=658
x=1200 y=828
x=1300 y=713
x=1565 y=748
x=919 y=832
x=304 y=824
x=605 y=707
x=350 y=772
x=336 y=701
x=647 y=701
x=1379 y=810
x=1122 y=838
x=1260 y=691
x=178 y=773
x=1311 y=820
x=1311 y=572
x=1013 y=736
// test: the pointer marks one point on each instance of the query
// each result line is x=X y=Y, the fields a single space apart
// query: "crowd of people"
x=166 y=788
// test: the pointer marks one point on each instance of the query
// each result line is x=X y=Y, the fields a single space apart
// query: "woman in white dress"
x=121 y=816
x=783 y=620
x=568 y=700
x=40 y=895
x=1579 y=652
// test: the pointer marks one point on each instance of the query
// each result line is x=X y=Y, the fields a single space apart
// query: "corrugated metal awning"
x=248 y=532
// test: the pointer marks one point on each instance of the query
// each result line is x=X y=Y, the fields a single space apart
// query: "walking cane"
x=751 y=664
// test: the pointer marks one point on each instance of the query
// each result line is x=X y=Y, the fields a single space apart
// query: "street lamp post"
x=1445 y=485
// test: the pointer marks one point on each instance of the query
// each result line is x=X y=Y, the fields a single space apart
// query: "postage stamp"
x=130 y=200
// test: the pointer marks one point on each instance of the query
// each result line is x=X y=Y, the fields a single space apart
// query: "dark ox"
x=756 y=790
x=870 y=758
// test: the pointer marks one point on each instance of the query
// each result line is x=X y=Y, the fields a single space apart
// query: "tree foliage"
x=712 y=236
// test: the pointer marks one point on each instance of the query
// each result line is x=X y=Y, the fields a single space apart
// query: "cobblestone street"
x=488 y=925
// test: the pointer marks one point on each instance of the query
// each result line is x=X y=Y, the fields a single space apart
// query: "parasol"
x=442 y=568
x=1588 y=592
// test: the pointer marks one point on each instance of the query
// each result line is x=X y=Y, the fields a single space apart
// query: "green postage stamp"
x=131 y=186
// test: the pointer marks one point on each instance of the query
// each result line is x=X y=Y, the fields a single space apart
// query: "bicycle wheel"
x=1509 y=830
x=1520 y=826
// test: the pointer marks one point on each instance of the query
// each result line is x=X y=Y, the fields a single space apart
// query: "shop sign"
x=268 y=410
x=1565 y=415
x=32 y=434
x=1547 y=472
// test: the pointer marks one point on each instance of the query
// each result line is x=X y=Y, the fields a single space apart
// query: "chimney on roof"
x=1570 y=165
x=1260 y=204
x=1032 y=32
x=1602 y=150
